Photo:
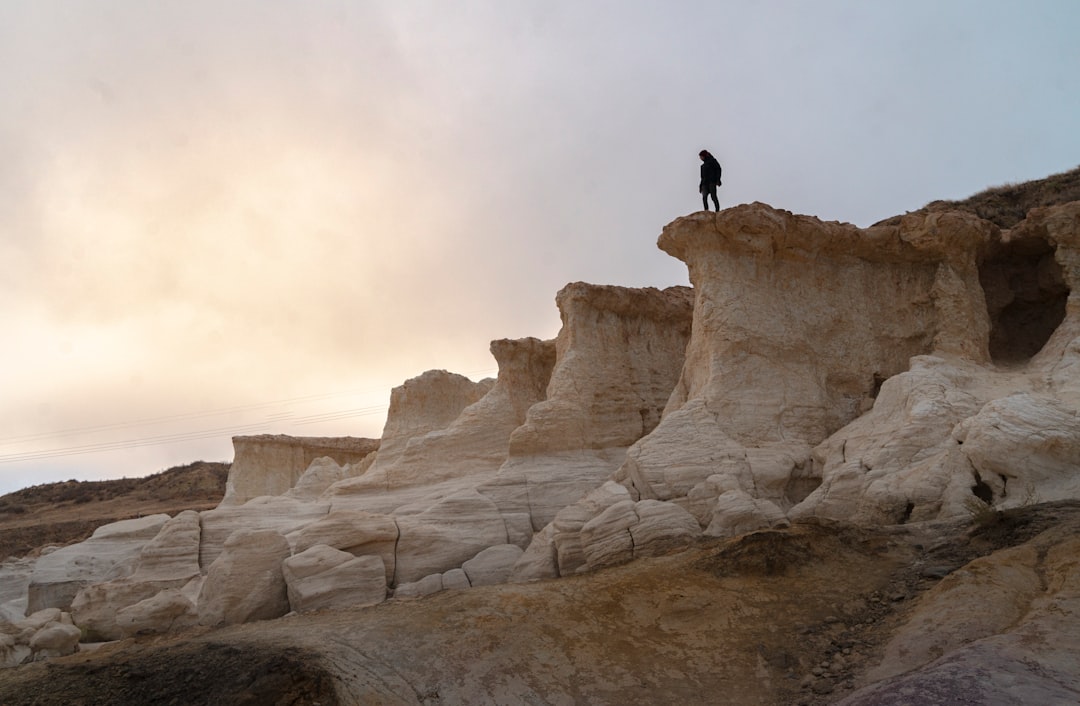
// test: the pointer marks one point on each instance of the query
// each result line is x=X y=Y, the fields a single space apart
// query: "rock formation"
x=901 y=373
x=272 y=464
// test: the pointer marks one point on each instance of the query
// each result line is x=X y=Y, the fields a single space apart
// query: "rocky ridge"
x=896 y=375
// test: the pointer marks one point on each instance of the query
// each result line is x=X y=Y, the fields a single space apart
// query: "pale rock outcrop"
x=432 y=583
x=455 y=579
x=660 y=527
x=784 y=352
x=169 y=561
x=14 y=582
x=567 y=526
x=280 y=514
x=951 y=428
x=540 y=559
x=323 y=577
x=11 y=652
x=426 y=403
x=320 y=475
x=245 y=582
x=606 y=539
x=354 y=531
x=270 y=464
x=54 y=640
x=167 y=611
x=444 y=536
x=737 y=512
x=25 y=628
x=629 y=530
x=1042 y=431
x=173 y=554
x=476 y=440
x=618 y=355
x=491 y=566
x=110 y=553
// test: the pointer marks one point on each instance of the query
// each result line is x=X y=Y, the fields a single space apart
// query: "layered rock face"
x=272 y=464
x=891 y=374
x=951 y=429
x=796 y=323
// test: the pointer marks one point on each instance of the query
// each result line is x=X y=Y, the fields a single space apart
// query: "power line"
x=284 y=416
x=168 y=418
x=178 y=437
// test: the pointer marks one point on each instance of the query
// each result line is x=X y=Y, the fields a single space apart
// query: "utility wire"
x=177 y=437
x=285 y=416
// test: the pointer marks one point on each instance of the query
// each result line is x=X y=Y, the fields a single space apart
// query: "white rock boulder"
x=245 y=583
x=323 y=577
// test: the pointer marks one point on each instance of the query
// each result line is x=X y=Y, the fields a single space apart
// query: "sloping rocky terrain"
x=69 y=511
x=798 y=445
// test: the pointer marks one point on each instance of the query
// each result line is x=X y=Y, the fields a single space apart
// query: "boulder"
x=168 y=561
x=737 y=512
x=433 y=583
x=540 y=559
x=245 y=582
x=354 y=531
x=173 y=554
x=54 y=640
x=606 y=539
x=455 y=578
x=168 y=611
x=491 y=566
x=323 y=577
x=446 y=535
x=660 y=527
x=279 y=514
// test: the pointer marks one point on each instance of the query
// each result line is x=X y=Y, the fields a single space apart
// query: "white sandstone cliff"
x=886 y=375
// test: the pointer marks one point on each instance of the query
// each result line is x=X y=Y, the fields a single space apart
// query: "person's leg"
x=716 y=203
x=705 y=200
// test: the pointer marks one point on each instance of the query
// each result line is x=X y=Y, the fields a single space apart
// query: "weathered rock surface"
x=245 y=582
x=356 y=532
x=54 y=640
x=270 y=464
x=817 y=371
x=447 y=535
x=491 y=566
x=324 y=577
x=426 y=403
x=476 y=440
x=281 y=514
x=111 y=552
x=164 y=612
x=1001 y=630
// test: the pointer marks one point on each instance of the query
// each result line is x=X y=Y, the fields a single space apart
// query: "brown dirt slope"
x=70 y=511
x=776 y=617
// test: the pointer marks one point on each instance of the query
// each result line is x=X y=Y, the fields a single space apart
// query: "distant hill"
x=70 y=511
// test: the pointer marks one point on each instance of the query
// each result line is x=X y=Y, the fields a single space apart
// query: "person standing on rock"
x=710 y=179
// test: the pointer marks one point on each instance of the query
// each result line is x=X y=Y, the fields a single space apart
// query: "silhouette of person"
x=710 y=179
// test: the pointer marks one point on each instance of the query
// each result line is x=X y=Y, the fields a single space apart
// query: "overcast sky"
x=246 y=217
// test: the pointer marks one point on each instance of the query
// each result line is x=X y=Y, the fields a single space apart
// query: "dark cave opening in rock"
x=1025 y=297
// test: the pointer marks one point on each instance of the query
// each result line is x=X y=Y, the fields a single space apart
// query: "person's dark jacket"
x=710 y=172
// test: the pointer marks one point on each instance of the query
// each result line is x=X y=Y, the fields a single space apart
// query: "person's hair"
x=704 y=153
